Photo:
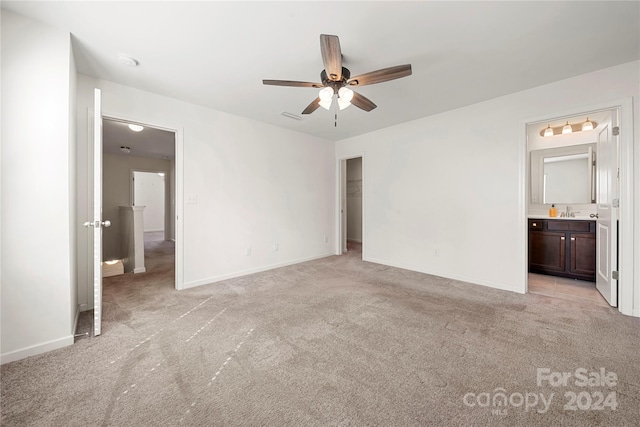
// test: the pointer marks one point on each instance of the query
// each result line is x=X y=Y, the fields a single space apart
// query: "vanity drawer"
x=536 y=224
x=569 y=225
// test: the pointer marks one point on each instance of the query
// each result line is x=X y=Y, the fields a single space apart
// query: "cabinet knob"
x=562 y=238
x=534 y=224
x=573 y=238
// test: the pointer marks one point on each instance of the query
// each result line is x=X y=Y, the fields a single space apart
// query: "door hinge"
x=615 y=275
x=615 y=203
x=616 y=131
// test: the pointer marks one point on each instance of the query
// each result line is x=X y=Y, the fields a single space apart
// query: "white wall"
x=149 y=191
x=444 y=193
x=255 y=184
x=38 y=184
x=116 y=192
x=354 y=199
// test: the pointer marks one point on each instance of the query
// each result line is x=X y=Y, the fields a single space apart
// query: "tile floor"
x=563 y=288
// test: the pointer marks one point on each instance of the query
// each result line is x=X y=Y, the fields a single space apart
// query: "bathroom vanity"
x=563 y=247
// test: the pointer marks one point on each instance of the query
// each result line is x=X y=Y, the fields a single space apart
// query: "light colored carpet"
x=336 y=341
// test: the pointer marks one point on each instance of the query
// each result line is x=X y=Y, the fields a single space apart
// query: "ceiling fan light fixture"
x=343 y=104
x=345 y=94
x=325 y=103
x=548 y=131
x=566 y=129
x=325 y=94
x=588 y=125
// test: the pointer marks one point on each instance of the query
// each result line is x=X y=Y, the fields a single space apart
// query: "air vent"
x=291 y=116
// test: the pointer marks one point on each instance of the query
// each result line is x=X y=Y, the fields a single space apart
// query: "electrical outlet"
x=436 y=252
x=192 y=199
x=248 y=252
x=326 y=239
x=275 y=247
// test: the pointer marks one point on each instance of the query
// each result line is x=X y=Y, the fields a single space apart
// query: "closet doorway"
x=351 y=205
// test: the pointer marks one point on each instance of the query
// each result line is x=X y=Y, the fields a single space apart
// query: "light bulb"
x=588 y=125
x=325 y=103
x=345 y=94
x=326 y=93
x=343 y=104
x=567 y=128
x=548 y=131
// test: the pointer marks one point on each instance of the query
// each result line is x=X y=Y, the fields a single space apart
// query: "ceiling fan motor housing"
x=335 y=84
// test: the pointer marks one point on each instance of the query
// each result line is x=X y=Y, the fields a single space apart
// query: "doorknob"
x=98 y=224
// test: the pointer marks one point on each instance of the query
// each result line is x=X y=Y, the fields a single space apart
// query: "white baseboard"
x=349 y=239
x=472 y=280
x=636 y=312
x=84 y=307
x=214 y=279
x=154 y=230
x=34 y=350
x=140 y=270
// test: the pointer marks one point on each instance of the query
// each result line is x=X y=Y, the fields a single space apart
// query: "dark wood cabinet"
x=565 y=248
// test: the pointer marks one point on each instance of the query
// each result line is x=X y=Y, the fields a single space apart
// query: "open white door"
x=95 y=131
x=606 y=197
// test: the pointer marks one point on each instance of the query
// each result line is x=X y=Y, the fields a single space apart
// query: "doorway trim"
x=178 y=131
x=628 y=285
x=341 y=194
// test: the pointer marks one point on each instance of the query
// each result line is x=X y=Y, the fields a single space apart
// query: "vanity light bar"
x=558 y=129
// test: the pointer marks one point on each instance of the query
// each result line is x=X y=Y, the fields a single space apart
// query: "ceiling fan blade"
x=312 y=107
x=331 y=56
x=291 y=83
x=362 y=102
x=380 y=76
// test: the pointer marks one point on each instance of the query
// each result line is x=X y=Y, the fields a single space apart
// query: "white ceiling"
x=217 y=53
x=149 y=142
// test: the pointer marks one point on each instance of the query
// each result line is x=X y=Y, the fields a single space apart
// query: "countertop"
x=576 y=218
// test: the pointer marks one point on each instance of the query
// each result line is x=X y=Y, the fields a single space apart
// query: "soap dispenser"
x=553 y=211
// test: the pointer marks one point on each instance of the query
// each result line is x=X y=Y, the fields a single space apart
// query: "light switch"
x=192 y=199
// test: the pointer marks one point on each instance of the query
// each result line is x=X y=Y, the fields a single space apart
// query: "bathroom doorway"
x=572 y=250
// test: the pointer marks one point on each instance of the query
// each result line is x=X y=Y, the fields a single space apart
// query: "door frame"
x=626 y=256
x=179 y=177
x=341 y=217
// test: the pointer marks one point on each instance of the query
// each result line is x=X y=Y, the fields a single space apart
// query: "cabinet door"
x=583 y=254
x=547 y=251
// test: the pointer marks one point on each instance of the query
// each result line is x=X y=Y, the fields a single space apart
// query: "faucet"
x=568 y=213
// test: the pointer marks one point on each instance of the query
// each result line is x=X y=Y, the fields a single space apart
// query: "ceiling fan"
x=337 y=79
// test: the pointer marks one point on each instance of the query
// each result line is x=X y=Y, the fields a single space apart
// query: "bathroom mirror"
x=563 y=174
